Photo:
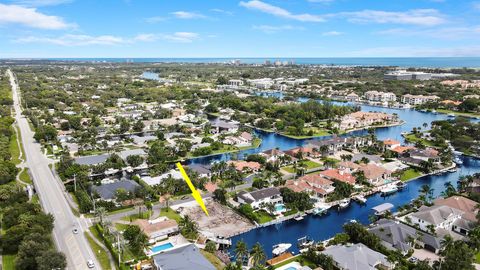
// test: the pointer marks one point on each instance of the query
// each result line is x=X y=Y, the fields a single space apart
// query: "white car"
x=90 y=264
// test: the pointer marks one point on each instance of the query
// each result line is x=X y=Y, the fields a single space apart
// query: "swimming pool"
x=159 y=248
x=291 y=266
x=280 y=207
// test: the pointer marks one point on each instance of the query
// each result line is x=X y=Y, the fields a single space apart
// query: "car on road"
x=90 y=264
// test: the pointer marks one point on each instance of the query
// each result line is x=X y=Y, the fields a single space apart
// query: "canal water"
x=321 y=228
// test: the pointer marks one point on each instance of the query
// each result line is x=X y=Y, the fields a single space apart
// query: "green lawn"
x=25 y=177
x=171 y=214
x=310 y=165
x=317 y=132
x=413 y=139
x=121 y=226
x=263 y=216
x=299 y=258
x=466 y=114
x=14 y=149
x=410 y=174
x=100 y=253
x=477 y=258
x=219 y=265
x=8 y=262
x=143 y=215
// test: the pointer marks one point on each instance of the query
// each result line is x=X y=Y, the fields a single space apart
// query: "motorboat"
x=452 y=170
x=280 y=248
x=344 y=203
x=451 y=115
x=360 y=199
x=304 y=242
x=298 y=218
x=319 y=211
x=401 y=185
x=389 y=190
x=458 y=161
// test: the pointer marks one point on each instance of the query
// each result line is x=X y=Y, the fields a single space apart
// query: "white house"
x=258 y=198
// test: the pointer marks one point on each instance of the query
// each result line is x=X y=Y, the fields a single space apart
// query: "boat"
x=280 y=248
x=452 y=170
x=360 y=198
x=451 y=115
x=319 y=211
x=388 y=190
x=401 y=185
x=404 y=133
x=344 y=203
x=458 y=161
x=304 y=242
x=298 y=218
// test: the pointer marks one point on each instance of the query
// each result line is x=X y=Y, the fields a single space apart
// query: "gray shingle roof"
x=436 y=214
x=397 y=235
x=107 y=191
x=356 y=257
x=182 y=258
x=92 y=160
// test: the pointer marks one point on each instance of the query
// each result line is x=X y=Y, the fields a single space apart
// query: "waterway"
x=321 y=228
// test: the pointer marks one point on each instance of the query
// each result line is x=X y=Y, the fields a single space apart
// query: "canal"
x=321 y=228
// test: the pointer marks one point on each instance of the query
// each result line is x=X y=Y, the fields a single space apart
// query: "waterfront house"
x=300 y=152
x=245 y=166
x=331 y=146
x=314 y=184
x=357 y=142
x=437 y=217
x=364 y=120
x=151 y=181
x=375 y=174
x=425 y=154
x=348 y=166
x=157 y=229
x=391 y=144
x=399 y=236
x=185 y=257
x=258 y=198
x=352 y=97
x=276 y=156
x=203 y=171
x=467 y=206
x=418 y=99
x=220 y=126
x=357 y=257
x=338 y=175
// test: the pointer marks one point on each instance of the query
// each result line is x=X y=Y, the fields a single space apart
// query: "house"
x=92 y=160
x=220 y=126
x=375 y=174
x=338 y=175
x=435 y=217
x=399 y=236
x=258 y=198
x=352 y=97
x=357 y=257
x=203 y=171
x=313 y=184
x=248 y=166
x=391 y=144
x=425 y=154
x=107 y=192
x=329 y=146
x=277 y=156
x=467 y=206
x=151 y=181
x=418 y=99
x=349 y=166
x=186 y=257
x=157 y=229
x=364 y=119
x=358 y=142
x=300 y=151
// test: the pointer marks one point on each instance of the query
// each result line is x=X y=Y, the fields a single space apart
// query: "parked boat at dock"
x=344 y=203
x=280 y=248
x=304 y=242
x=360 y=199
x=389 y=190
x=320 y=211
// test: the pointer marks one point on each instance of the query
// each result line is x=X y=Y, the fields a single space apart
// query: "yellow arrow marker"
x=196 y=195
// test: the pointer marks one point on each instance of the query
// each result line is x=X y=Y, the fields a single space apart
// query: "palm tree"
x=449 y=190
x=427 y=191
x=446 y=242
x=188 y=226
x=100 y=212
x=258 y=255
x=233 y=266
x=241 y=252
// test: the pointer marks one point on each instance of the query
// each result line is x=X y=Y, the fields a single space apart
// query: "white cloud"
x=39 y=3
x=422 y=17
x=75 y=40
x=449 y=33
x=270 y=29
x=332 y=33
x=146 y=37
x=14 y=14
x=218 y=10
x=280 y=12
x=181 y=37
x=155 y=19
x=188 y=15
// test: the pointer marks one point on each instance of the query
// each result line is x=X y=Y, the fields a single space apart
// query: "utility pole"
x=119 y=248
x=75 y=181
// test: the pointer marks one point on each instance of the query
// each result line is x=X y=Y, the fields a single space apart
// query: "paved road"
x=52 y=196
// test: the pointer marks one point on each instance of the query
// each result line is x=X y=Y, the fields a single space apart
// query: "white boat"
x=319 y=211
x=280 y=248
x=360 y=199
x=452 y=170
x=458 y=161
x=304 y=242
x=451 y=115
x=344 y=203
x=298 y=218
x=389 y=190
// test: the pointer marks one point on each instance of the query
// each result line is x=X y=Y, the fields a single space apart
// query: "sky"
x=233 y=28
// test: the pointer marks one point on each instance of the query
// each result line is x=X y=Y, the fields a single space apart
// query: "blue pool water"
x=159 y=248
x=291 y=268
x=280 y=207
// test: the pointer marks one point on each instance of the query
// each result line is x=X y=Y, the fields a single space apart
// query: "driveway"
x=423 y=254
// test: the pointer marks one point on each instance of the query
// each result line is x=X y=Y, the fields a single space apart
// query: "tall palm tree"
x=100 y=212
x=446 y=242
x=258 y=255
x=427 y=191
x=233 y=266
x=241 y=251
